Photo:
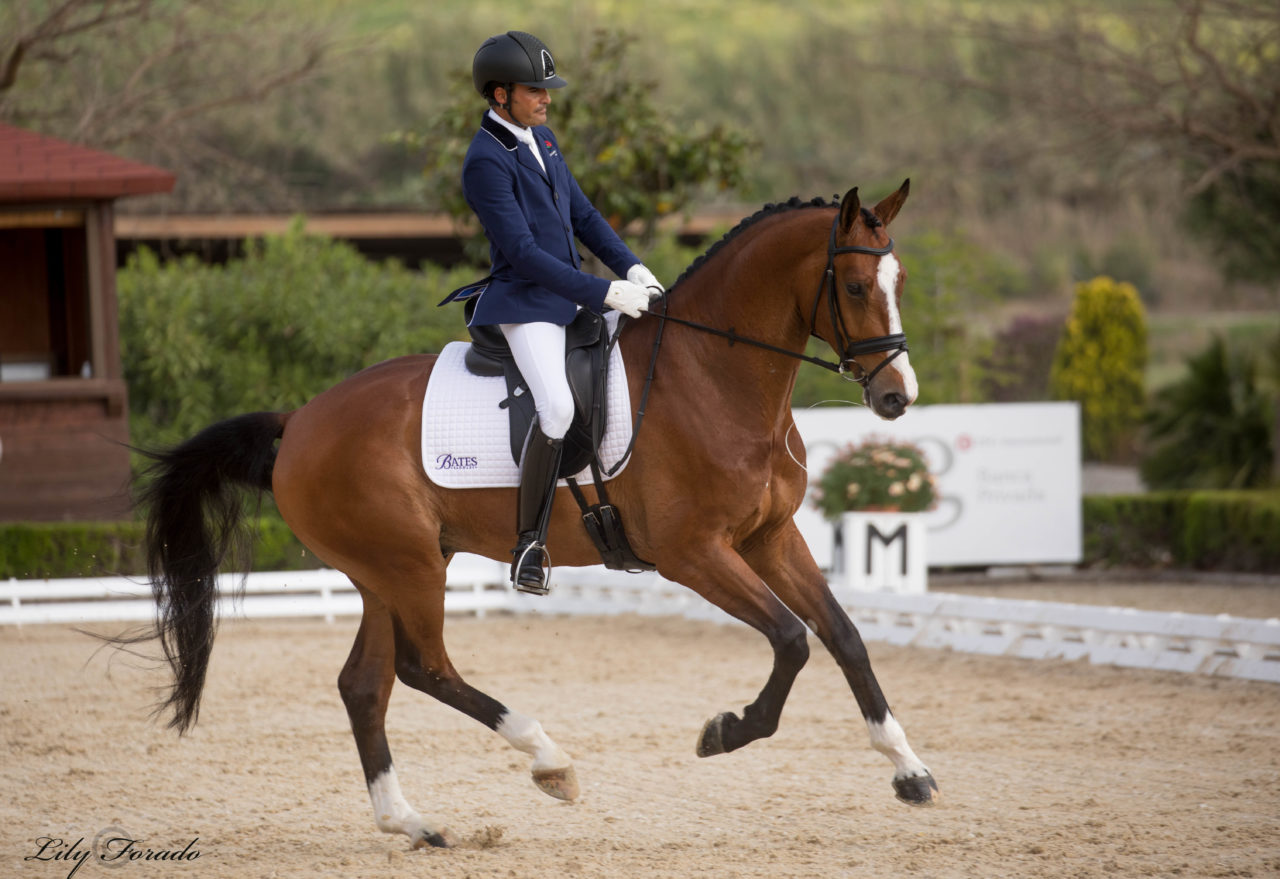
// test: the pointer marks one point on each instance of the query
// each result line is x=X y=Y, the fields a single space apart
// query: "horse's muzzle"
x=888 y=405
x=888 y=392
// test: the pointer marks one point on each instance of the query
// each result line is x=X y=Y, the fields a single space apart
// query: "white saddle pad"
x=465 y=436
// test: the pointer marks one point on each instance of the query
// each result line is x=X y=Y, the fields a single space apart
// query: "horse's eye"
x=854 y=288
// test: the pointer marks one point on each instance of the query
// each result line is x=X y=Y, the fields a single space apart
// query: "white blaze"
x=887 y=277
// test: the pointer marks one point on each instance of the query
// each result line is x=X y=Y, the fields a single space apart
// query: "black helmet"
x=515 y=57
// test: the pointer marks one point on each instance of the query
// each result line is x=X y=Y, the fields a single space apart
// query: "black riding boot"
x=539 y=468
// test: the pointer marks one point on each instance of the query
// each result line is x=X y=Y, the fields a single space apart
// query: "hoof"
x=711 y=741
x=441 y=839
x=559 y=783
x=920 y=790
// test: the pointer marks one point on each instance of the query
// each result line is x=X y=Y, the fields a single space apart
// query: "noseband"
x=848 y=349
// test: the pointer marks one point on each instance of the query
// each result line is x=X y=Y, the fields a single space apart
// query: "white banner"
x=1008 y=478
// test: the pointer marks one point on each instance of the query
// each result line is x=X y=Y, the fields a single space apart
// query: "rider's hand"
x=638 y=274
x=627 y=297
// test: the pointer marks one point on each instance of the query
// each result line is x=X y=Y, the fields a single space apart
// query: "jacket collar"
x=500 y=132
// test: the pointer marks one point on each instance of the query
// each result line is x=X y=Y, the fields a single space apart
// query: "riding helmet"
x=515 y=57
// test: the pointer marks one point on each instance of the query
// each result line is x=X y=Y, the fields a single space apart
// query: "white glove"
x=627 y=297
x=638 y=274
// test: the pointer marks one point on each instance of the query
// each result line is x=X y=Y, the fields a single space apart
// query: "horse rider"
x=517 y=182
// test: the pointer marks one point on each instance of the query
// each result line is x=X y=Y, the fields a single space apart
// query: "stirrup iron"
x=543 y=586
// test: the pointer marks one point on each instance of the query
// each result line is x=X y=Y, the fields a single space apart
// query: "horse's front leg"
x=718 y=574
x=786 y=564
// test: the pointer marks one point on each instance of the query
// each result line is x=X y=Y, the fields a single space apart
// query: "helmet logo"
x=548 y=65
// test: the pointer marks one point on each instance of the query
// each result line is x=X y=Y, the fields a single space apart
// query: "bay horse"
x=708 y=496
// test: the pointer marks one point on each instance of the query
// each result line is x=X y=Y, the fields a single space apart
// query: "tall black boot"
x=539 y=468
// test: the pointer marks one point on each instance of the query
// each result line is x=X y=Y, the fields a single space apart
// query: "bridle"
x=846 y=348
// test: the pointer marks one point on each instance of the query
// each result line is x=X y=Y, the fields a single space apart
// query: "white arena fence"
x=1212 y=645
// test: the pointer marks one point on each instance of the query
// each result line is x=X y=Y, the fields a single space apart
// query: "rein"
x=895 y=342
x=733 y=338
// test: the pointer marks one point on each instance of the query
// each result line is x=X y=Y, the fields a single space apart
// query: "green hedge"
x=70 y=549
x=1205 y=530
x=30 y=551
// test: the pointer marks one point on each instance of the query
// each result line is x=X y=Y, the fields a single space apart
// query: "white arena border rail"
x=1212 y=645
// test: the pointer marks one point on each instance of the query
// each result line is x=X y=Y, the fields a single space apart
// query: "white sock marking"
x=390 y=810
x=526 y=734
x=889 y=739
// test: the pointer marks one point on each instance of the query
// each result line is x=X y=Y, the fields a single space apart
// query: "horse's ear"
x=888 y=209
x=850 y=210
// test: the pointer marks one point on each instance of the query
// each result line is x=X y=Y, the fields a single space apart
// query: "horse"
x=708 y=496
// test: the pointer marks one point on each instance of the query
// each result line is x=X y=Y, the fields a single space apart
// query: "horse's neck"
x=758 y=287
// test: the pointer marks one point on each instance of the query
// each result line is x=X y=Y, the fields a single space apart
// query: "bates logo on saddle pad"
x=465 y=442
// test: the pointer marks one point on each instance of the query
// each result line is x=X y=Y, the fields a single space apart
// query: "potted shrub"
x=876 y=493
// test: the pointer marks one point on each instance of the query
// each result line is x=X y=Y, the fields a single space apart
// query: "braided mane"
x=769 y=210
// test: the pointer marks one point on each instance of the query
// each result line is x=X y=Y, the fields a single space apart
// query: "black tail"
x=195 y=518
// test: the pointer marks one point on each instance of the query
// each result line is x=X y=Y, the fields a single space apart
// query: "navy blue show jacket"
x=531 y=220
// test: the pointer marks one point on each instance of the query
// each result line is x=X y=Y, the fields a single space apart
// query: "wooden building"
x=63 y=403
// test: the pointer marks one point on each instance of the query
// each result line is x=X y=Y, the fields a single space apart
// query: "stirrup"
x=543 y=586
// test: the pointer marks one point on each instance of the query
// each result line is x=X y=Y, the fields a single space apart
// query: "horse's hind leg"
x=422 y=663
x=787 y=566
x=365 y=684
x=406 y=644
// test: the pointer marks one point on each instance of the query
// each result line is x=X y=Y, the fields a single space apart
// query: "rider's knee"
x=555 y=416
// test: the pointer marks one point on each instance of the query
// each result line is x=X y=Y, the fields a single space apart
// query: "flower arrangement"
x=878 y=474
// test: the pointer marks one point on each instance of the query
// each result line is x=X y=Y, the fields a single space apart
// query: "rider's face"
x=529 y=105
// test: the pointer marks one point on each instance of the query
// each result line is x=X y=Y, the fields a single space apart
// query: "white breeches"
x=538 y=349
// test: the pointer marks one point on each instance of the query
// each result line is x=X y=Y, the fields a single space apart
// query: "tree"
x=1017 y=365
x=1099 y=362
x=152 y=78
x=1191 y=88
x=634 y=164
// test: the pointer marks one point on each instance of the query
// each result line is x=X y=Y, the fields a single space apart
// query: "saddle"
x=586 y=365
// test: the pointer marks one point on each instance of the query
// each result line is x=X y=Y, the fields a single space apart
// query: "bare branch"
x=1201 y=85
x=61 y=23
x=12 y=61
x=1214 y=64
x=243 y=95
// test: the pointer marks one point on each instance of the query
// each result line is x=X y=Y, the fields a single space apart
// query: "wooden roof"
x=34 y=167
